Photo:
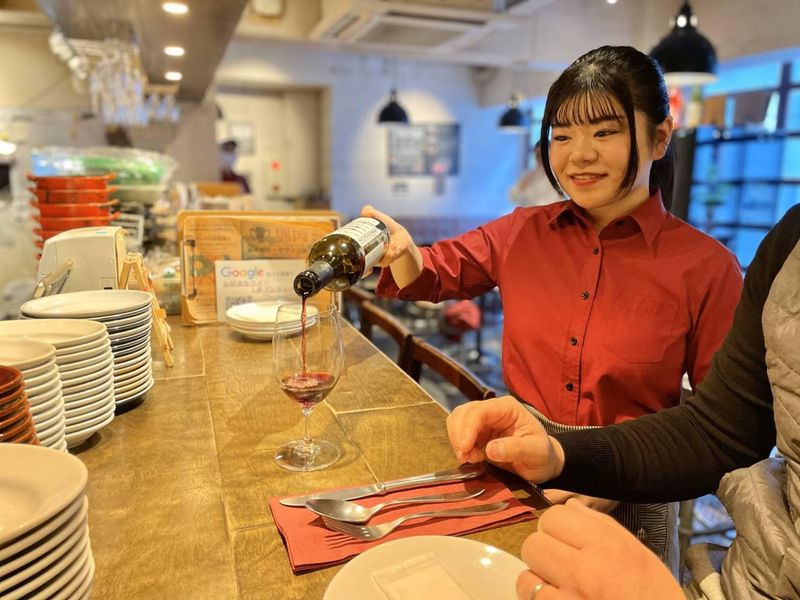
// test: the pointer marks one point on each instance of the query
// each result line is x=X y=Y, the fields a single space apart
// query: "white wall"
x=358 y=87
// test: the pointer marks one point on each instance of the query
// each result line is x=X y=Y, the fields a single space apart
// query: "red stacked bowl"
x=71 y=202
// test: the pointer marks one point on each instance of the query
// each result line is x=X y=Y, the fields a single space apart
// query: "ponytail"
x=662 y=176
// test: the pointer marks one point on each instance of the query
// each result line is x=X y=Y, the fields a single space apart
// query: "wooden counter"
x=178 y=486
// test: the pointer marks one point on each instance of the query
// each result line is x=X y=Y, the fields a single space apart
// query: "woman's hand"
x=602 y=505
x=580 y=554
x=401 y=253
x=502 y=431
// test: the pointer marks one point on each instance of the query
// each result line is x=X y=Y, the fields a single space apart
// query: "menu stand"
x=134 y=264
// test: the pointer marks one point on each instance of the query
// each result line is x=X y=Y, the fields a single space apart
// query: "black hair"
x=228 y=145
x=586 y=91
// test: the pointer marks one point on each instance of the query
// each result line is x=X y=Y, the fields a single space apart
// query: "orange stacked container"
x=71 y=202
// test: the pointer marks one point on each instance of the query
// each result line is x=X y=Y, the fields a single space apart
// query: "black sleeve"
x=683 y=452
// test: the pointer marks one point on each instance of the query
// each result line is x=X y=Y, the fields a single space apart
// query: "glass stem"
x=307 y=442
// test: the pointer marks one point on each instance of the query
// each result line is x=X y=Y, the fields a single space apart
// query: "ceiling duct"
x=399 y=25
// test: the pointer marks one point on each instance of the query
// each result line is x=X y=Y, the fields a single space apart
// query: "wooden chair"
x=374 y=316
x=421 y=353
x=353 y=298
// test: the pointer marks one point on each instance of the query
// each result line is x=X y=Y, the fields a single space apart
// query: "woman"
x=607 y=298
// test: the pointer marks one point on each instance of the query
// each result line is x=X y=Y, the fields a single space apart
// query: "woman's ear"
x=662 y=136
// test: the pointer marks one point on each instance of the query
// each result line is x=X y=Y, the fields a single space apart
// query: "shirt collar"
x=650 y=216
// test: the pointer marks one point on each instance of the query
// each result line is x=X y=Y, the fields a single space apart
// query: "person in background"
x=534 y=188
x=607 y=298
x=720 y=439
x=227 y=159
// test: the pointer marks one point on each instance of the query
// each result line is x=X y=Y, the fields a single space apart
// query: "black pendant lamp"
x=393 y=113
x=685 y=56
x=513 y=120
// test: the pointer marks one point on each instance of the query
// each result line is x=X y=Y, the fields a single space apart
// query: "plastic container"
x=47 y=196
x=65 y=223
x=76 y=182
x=74 y=210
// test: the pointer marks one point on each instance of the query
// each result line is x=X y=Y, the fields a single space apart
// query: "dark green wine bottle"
x=341 y=258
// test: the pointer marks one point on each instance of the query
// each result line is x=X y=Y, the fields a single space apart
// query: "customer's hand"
x=400 y=240
x=580 y=554
x=602 y=505
x=502 y=431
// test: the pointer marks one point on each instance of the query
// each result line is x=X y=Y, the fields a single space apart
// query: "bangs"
x=587 y=107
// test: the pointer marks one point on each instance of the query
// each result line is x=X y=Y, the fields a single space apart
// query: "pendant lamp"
x=393 y=113
x=685 y=56
x=513 y=120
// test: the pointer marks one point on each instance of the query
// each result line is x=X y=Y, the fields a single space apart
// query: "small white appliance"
x=97 y=255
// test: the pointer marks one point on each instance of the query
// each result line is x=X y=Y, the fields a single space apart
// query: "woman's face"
x=590 y=161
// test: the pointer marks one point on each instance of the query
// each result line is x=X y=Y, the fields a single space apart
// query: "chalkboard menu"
x=423 y=150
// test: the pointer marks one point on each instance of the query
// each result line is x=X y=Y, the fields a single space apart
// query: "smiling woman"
x=607 y=298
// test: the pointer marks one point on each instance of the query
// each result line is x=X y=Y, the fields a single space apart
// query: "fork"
x=376 y=532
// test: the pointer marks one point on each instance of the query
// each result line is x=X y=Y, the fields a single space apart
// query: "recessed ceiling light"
x=175 y=8
x=611 y=1
x=173 y=76
x=174 y=51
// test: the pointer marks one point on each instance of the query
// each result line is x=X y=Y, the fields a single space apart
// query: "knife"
x=462 y=473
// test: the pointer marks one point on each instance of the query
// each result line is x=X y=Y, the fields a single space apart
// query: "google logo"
x=249 y=273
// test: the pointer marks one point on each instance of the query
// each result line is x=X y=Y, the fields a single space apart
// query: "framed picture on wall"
x=244 y=132
x=423 y=150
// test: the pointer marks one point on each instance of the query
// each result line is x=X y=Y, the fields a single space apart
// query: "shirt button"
x=573 y=341
x=569 y=387
x=585 y=295
x=596 y=251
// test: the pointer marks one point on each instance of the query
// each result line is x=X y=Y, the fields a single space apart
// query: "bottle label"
x=370 y=234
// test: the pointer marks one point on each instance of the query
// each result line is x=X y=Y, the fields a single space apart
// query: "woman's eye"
x=560 y=138
x=605 y=133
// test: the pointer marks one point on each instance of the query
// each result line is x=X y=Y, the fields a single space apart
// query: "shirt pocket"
x=639 y=328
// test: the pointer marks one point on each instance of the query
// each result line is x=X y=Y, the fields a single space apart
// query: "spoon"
x=352 y=512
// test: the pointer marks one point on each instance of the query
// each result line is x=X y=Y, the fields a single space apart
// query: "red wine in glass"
x=308 y=388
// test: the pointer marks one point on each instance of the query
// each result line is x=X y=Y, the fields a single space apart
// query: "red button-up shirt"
x=598 y=327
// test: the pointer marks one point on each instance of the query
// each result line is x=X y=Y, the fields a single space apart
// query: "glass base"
x=299 y=456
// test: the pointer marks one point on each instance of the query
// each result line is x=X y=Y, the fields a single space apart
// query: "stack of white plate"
x=44 y=531
x=85 y=366
x=127 y=316
x=256 y=320
x=37 y=361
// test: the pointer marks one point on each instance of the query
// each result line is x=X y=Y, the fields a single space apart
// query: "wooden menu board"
x=205 y=237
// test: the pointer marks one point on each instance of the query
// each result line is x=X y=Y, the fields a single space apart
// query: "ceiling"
x=204 y=33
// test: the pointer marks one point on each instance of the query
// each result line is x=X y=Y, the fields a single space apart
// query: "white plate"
x=98 y=354
x=123 y=374
x=87 y=304
x=83 y=351
x=57 y=576
x=102 y=418
x=255 y=312
x=86 y=579
x=44 y=530
x=138 y=313
x=123 y=360
x=485 y=572
x=134 y=393
x=131 y=346
x=81 y=579
x=44 y=389
x=74 y=420
x=90 y=397
x=126 y=366
x=73 y=439
x=22 y=353
x=38 y=369
x=97 y=380
x=53 y=437
x=42 y=379
x=133 y=321
x=55 y=538
x=61 y=333
x=72 y=379
x=42 y=420
x=35 y=484
x=125 y=386
x=129 y=334
x=40 y=404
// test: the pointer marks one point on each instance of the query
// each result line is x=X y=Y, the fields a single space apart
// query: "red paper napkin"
x=311 y=545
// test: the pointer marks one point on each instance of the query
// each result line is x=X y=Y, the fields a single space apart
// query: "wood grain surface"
x=178 y=486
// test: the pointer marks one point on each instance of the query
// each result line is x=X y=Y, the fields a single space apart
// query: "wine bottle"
x=341 y=258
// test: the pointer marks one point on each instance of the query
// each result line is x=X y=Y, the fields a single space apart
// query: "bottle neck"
x=313 y=279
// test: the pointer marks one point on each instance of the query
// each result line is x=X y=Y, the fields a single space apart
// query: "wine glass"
x=307 y=361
